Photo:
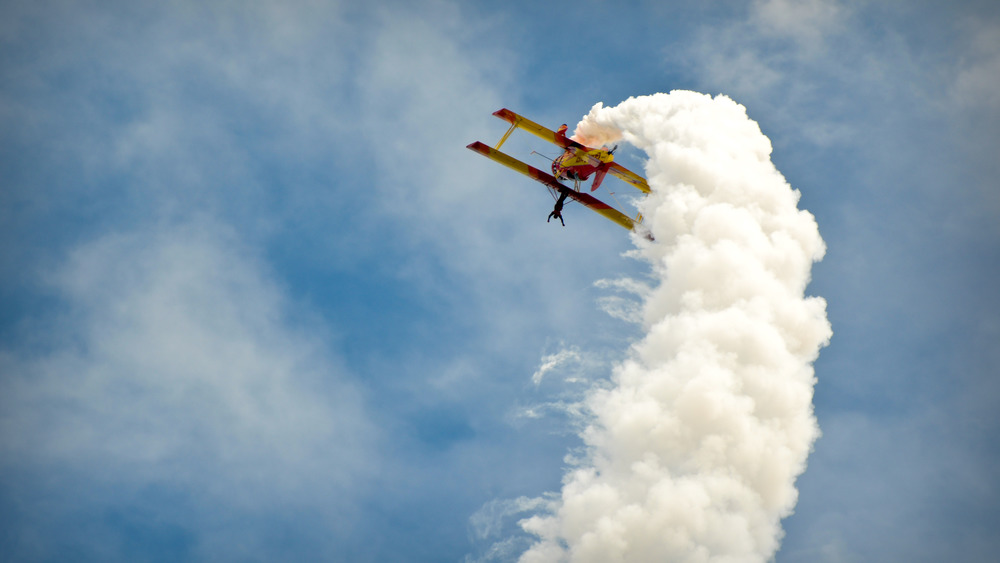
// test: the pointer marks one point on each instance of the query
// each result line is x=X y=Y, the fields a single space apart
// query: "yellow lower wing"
x=588 y=200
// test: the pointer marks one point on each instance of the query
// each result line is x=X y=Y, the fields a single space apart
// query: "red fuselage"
x=578 y=162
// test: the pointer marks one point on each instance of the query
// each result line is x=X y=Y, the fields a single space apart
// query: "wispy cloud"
x=179 y=364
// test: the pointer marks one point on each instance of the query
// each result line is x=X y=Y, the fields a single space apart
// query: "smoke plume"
x=694 y=448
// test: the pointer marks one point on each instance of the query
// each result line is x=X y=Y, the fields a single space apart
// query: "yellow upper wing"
x=549 y=135
x=528 y=125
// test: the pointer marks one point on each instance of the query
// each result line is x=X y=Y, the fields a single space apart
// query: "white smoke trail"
x=694 y=450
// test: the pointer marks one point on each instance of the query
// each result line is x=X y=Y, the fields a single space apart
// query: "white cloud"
x=191 y=105
x=179 y=363
x=785 y=60
x=749 y=56
x=806 y=21
x=976 y=86
x=553 y=361
x=628 y=309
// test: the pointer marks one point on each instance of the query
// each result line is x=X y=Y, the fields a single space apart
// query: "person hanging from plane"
x=557 y=210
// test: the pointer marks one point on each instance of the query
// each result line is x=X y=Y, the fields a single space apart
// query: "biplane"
x=577 y=163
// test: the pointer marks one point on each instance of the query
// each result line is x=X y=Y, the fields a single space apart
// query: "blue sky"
x=259 y=302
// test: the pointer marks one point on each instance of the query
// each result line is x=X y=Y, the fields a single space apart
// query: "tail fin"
x=598 y=178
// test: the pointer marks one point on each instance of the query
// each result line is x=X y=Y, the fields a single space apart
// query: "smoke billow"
x=694 y=449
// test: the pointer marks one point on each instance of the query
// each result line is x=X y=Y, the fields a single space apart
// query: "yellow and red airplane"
x=577 y=163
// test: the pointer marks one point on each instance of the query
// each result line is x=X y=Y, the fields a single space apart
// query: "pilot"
x=561 y=133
